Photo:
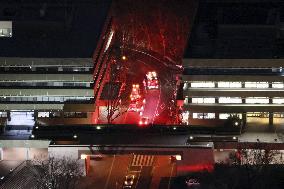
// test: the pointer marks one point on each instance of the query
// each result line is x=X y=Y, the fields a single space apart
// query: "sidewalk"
x=16 y=134
x=261 y=136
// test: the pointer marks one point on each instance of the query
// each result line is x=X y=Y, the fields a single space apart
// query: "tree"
x=56 y=173
x=255 y=163
x=116 y=94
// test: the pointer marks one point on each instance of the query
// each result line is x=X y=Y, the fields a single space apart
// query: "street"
x=110 y=172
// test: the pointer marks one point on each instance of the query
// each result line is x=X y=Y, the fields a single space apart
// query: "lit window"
x=232 y=100
x=209 y=115
x=202 y=84
x=186 y=100
x=3 y=114
x=203 y=100
x=226 y=115
x=43 y=114
x=197 y=100
x=277 y=85
x=259 y=100
x=185 y=86
x=256 y=84
x=209 y=100
x=229 y=84
x=278 y=100
x=185 y=116
x=5 y=29
x=197 y=115
x=203 y=115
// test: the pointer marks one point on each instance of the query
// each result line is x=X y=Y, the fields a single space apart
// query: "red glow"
x=196 y=168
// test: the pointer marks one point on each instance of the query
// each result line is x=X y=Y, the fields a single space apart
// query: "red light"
x=196 y=168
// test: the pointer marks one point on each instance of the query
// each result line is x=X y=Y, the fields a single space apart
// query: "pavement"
x=8 y=166
x=16 y=134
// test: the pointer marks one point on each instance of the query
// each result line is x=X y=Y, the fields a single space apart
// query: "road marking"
x=108 y=177
x=142 y=160
x=169 y=185
x=138 y=178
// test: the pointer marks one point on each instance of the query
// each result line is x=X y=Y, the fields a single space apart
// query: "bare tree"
x=56 y=173
x=116 y=90
x=255 y=162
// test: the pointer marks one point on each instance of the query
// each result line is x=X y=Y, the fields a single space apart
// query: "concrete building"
x=39 y=88
x=46 y=64
x=233 y=64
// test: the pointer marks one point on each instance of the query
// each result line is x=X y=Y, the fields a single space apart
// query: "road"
x=149 y=171
x=152 y=98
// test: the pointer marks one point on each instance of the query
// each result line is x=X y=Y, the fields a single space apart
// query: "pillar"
x=1 y=154
x=9 y=115
x=35 y=115
x=270 y=119
x=244 y=122
x=244 y=118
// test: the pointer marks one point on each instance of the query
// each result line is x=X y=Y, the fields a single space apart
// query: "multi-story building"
x=249 y=88
x=233 y=65
x=45 y=88
x=46 y=64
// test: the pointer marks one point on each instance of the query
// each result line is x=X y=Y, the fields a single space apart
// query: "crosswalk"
x=142 y=160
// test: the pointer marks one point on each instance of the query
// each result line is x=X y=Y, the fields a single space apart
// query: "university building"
x=234 y=64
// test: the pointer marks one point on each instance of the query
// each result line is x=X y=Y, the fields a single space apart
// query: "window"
x=3 y=114
x=185 y=116
x=5 y=29
x=203 y=115
x=202 y=84
x=209 y=115
x=197 y=115
x=186 y=100
x=278 y=100
x=229 y=84
x=230 y=100
x=256 y=84
x=43 y=114
x=252 y=100
x=203 y=100
x=226 y=115
x=277 y=85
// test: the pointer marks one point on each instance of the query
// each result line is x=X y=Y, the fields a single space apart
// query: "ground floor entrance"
x=21 y=118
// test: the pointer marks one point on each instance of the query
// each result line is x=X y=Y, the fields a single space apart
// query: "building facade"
x=252 y=89
x=44 y=90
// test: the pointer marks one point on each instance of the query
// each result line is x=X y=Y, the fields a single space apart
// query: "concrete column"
x=35 y=115
x=270 y=118
x=217 y=100
x=189 y=100
x=9 y=115
x=243 y=85
x=244 y=118
x=1 y=153
x=216 y=116
x=216 y=84
x=28 y=154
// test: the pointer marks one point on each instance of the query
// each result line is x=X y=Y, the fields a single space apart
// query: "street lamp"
x=123 y=57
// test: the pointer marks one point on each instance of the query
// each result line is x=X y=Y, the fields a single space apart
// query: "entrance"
x=21 y=118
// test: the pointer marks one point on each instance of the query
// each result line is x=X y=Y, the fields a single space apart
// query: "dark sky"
x=240 y=29
x=53 y=28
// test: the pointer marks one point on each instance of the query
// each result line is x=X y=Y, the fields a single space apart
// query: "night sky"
x=53 y=29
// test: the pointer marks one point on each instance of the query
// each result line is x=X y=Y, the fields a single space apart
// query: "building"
x=46 y=64
x=45 y=88
x=233 y=64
